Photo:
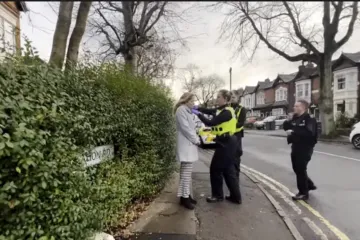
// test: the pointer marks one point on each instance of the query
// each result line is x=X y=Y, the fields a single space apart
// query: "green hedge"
x=48 y=119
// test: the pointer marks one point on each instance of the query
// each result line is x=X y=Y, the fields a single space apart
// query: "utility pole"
x=230 y=70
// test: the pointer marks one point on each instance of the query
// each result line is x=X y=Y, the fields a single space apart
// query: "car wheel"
x=356 y=141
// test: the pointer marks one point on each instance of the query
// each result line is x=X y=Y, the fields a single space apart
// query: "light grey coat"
x=186 y=140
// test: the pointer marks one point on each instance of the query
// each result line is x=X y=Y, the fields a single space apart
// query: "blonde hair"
x=225 y=94
x=185 y=98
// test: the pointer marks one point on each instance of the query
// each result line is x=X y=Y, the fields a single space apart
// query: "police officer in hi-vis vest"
x=240 y=113
x=223 y=126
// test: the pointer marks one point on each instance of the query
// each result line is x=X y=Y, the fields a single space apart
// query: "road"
x=334 y=168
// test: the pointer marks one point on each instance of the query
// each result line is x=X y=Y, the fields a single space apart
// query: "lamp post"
x=230 y=70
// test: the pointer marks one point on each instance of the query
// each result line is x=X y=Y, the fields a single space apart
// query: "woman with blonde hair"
x=186 y=147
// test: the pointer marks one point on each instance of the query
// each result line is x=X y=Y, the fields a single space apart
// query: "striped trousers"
x=185 y=179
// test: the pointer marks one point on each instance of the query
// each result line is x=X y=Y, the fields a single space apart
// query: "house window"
x=281 y=94
x=260 y=99
x=339 y=107
x=303 y=90
x=7 y=32
x=341 y=83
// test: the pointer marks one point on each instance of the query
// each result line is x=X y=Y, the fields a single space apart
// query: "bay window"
x=281 y=94
x=7 y=38
x=303 y=90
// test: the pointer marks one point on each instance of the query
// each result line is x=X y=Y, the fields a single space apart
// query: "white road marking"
x=277 y=191
x=325 y=153
x=315 y=228
x=340 y=235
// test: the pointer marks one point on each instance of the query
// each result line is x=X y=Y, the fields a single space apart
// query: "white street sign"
x=99 y=154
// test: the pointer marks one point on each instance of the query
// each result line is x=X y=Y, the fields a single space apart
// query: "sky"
x=203 y=50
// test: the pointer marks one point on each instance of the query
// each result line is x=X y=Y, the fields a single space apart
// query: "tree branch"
x=355 y=12
x=306 y=42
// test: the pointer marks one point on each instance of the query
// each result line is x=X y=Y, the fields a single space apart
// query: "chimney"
x=301 y=68
x=310 y=65
x=267 y=80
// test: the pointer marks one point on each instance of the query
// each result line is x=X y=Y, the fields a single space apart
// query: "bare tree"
x=61 y=34
x=155 y=60
x=77 y=34
x=207 y=87
x=127 y=25
x=189 y=76
x=288 y=27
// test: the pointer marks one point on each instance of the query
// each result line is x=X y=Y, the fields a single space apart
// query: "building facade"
x=10 y=25
x=346 y=84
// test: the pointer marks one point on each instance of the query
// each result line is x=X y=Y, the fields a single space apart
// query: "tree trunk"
x=77 y=35
x=61 y=34
x=326 y=96
x=130 y=61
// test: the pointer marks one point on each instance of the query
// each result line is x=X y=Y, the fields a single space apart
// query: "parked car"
x=279 y=121
x=249 y=122
x=261 y=124
x=355 y=135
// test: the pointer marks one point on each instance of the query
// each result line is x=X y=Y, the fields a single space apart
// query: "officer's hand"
x=288 y=132
x=194 y=111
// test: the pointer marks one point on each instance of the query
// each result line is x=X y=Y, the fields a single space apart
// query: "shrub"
x=48 y=119
x=343 y=120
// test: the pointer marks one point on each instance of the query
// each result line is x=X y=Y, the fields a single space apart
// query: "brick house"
x=305 y=85
x=281 y=91
x=346 y=85
x=10 y=25
x=248 y=99
x=264 y=98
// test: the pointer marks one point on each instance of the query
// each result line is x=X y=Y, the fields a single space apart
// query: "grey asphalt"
x=334 y=168
x=255 y=219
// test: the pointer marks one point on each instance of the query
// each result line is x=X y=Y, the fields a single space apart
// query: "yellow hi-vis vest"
x=225 y=127
x=237 y=118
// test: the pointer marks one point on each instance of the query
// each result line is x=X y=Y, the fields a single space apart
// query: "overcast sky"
x=211 y=57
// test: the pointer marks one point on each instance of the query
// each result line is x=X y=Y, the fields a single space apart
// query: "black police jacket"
x=304 y=133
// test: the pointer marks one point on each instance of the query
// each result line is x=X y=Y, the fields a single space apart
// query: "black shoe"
x=312 y=188
x=230 y=199
x=186 y=203
x=300 y=197
x=214 y=199
x=193 y=201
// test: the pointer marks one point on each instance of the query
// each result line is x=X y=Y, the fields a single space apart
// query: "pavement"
x=282 y=133
x=333 y=208
x=256 y=218
x=267 y=184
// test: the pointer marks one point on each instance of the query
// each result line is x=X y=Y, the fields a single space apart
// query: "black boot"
x=231 y=199
x=312 y=188
x=214 y=199
x=193 y=201
x=300 y=196
x=186 y=203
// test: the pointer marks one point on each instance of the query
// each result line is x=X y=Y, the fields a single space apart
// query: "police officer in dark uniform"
x=223 y=162
x=240 y=113
x=302 y=134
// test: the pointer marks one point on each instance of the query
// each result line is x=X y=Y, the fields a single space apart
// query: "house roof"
x=287 y=77
x=264 y=84
x=355 y=57
x=305 y=72
x=250 y=89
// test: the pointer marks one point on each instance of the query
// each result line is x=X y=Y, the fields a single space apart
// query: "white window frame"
x=303 y=90
x=260 y=98
x=281 y=94
x=8 y=46
x=343 y=78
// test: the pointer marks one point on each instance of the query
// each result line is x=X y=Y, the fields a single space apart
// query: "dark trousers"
x=238 y=153
x=300 y=158
x=223 y=165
